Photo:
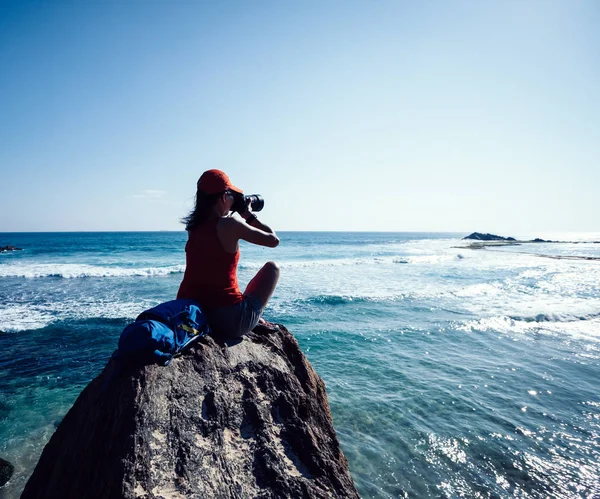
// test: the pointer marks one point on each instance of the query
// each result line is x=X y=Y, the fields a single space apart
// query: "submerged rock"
x=249 y=419
x=6 y=471
x=9 y=248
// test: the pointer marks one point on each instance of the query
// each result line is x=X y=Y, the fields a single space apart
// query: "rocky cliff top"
x=249 y=419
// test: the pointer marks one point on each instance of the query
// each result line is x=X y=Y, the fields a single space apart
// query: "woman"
x=212 y=254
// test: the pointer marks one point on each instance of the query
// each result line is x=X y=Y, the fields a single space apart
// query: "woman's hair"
x=202 y=209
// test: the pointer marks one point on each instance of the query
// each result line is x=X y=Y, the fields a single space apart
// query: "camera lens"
x=257 y=203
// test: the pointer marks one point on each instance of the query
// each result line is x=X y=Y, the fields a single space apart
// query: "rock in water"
x=6 y=471
x=246 y=420
x=479 y=236
x=9 y=248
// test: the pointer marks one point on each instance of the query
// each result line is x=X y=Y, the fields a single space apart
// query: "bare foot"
x=264 y=326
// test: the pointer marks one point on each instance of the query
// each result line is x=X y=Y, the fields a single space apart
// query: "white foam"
x=481 y=289
x=18 y=317
x=441 y=258
x=362 y=261
x=576 y=327
x=74 y=271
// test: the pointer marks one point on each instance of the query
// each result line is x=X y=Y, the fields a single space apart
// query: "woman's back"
x=210 y=275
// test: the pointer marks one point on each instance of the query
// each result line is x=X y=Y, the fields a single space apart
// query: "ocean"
x=450 y=372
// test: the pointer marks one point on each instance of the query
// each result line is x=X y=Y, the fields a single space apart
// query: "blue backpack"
x=160 y=333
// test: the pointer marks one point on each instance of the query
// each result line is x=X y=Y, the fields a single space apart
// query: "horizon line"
x=184 y=230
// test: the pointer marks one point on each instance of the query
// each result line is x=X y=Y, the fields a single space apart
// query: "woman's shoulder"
x=228 y=223
x=228 y=233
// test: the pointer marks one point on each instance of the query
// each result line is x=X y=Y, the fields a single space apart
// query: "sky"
x=345 y=115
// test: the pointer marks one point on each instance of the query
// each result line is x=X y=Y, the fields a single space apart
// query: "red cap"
x=215 y=181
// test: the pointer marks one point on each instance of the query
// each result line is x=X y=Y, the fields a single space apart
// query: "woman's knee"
x=264 y=282
x=272 y=267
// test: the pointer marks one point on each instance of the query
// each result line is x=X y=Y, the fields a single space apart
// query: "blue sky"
x=345 y=115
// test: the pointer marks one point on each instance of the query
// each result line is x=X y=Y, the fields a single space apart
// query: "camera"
x=240 y=202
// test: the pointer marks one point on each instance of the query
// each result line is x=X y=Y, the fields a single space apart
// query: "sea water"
x=450 y=372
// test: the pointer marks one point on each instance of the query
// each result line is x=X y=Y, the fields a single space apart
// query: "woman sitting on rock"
x=212 y=255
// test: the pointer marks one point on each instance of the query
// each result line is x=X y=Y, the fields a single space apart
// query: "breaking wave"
x=582 y=326
x=555 y=317
x=20 y=317
x=335 y=300
x=77 y=271
x=366 y=261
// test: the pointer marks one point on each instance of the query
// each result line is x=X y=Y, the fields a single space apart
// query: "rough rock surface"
x=249 y=419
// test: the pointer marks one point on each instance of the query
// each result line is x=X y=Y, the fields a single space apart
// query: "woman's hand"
x=239 y=204
x=248 y=211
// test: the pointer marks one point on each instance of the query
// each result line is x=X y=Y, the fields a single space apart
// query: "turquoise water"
x=450 y=372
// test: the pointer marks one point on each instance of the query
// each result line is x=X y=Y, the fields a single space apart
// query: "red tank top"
x=211 y=273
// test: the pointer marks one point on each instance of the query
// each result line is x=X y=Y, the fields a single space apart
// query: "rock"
x=249 y=419
x=9 y=248
x=479 y=236
x=6 y=471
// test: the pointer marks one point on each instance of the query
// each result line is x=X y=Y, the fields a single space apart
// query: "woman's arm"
x=231 y=230
x=252 y=220
x=254 y=231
